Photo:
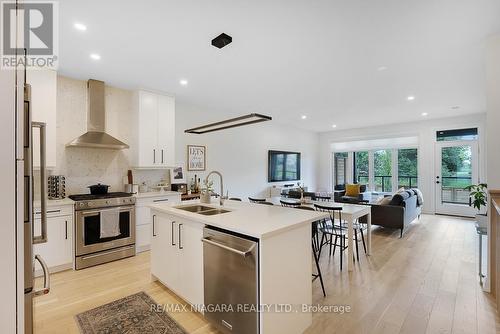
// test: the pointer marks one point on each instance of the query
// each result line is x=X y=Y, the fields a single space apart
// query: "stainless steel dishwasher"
x=231 y=280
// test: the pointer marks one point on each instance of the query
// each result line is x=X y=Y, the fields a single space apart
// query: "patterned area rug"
x=131 y=315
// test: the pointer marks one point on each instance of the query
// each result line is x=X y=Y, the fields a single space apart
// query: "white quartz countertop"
x=255 y=220
x=55 y=202
x=156 y=194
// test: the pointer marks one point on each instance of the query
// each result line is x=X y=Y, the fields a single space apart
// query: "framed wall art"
x=196 y=158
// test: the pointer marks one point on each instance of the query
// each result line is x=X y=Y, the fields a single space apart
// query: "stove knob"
x=107 y=202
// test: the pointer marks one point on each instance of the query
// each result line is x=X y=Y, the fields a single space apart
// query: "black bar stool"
x=314 y=231
x=256 y=200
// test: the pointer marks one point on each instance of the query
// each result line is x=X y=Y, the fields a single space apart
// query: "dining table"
x=350 y=213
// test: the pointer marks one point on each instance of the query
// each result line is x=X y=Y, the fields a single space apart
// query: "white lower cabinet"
x=58 y=250
x=143 y=219
x=177 y=256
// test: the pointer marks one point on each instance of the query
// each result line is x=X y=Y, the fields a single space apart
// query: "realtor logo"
x=37 y=27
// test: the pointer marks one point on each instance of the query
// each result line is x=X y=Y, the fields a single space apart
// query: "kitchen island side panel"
x=286 y=279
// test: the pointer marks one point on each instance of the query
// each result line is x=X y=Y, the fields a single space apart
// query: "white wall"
x=493 y=114
x=426 y=132
x=240 y=154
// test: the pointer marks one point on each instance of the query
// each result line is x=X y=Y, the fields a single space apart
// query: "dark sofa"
x=340 y=196
x=403 y=209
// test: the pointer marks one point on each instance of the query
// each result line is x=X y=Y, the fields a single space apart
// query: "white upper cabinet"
x=43 y=106
x=155 y=118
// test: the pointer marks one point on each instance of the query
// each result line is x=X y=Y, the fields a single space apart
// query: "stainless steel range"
x=104 y=228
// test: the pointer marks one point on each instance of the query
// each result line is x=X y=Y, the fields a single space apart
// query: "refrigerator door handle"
x=42 y=238
x=46 y=278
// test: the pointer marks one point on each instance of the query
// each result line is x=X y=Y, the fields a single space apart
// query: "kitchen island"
x=284 y=256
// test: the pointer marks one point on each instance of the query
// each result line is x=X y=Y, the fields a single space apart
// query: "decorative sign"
x=196 y=158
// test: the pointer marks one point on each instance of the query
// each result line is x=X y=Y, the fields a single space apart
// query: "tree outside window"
x=407 y=168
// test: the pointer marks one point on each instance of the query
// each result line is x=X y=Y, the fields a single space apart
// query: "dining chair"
x=323 y=198
x=235 y=199
x=265 y=203
x=314 y=227
x=329 y=229
x=256 y=200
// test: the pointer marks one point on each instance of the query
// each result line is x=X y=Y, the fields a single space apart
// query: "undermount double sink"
x=202 y=209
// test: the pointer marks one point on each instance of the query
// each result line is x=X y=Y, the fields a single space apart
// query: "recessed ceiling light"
x=303 y=117
x=80 y=26
x=183 y=82
x=425 y=114
x=334 y=125
x=410 y=98
x=382 y=68
x=95 y=56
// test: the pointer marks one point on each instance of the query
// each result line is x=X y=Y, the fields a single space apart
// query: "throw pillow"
x=384 y=200
x=352 y=190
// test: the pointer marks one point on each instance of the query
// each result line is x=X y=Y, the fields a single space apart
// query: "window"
x=340 y=168
x=458 y=134
x=382 y=170
x=382 y=160
x=361 y=167
x=407 y=168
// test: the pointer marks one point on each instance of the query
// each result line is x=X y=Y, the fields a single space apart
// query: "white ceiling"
x=290 y=58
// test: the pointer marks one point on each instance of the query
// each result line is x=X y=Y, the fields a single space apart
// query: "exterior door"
x=456 y=168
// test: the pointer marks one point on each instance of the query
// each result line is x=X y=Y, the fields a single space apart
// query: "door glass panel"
x=456 y=174
x=361 y=167
x=383 y=170
x=407 y=168
x=340 y=168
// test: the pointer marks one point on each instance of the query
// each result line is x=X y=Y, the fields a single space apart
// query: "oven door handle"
x=90 y=213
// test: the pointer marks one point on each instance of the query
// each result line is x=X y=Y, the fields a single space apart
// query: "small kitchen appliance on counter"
x=180 y=187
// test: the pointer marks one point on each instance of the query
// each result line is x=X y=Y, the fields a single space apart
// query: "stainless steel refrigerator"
x=29 y=238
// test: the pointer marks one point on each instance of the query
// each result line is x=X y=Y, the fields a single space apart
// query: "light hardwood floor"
x=426 y=282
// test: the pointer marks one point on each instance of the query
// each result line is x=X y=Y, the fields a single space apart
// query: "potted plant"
x=478 y=200
x=206 y=191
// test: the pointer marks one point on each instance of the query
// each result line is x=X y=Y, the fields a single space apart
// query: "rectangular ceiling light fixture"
x=230 y=123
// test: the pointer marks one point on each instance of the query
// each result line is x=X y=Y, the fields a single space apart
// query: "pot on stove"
x=98 y=189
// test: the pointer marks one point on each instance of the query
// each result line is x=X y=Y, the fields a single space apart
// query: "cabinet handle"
x=173 y=243
x=161 y=155
x=154 y=219
x=154 y=156
x=160 y=200
x=49 y=211
x=180 y=238
x=66 y=229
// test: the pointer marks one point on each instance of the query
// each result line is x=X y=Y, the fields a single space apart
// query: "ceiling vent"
x=222 y=40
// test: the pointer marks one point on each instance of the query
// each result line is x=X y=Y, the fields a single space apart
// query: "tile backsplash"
x=86 y=166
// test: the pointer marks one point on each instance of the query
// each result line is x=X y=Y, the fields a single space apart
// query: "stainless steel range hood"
x=96 y=136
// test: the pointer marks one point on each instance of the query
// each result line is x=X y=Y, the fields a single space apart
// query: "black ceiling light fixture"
x=222 y=40
x=230 y=123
